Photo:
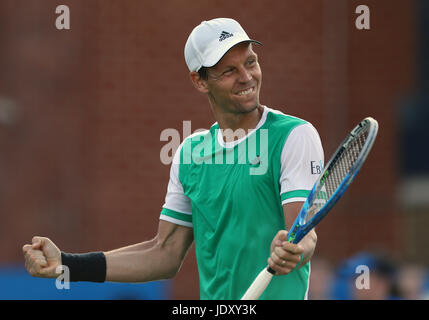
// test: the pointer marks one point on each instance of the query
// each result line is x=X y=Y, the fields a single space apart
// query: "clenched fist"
x=42 y=258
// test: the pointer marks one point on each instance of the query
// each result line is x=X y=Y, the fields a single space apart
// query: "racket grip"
x=259 y=284
x=271 y=270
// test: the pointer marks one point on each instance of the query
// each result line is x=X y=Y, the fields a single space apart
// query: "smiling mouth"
x=245 y=92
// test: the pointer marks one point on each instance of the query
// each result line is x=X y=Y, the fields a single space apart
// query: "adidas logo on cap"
x=225 y=35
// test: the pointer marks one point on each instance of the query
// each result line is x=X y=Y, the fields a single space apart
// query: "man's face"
x=234 y=82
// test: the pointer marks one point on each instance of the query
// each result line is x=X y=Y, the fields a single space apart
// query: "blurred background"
x=82 y=111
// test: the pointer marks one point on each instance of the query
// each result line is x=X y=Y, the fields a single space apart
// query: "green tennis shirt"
x=232 y=196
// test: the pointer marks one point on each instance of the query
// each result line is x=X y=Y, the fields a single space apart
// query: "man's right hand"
x=42 y=258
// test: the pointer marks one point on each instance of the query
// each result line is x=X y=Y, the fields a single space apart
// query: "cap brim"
x=217 y=55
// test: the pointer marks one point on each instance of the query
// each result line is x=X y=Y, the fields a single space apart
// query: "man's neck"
x=239 y=124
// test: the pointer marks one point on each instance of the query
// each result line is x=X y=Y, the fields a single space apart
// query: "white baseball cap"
x=210 y=40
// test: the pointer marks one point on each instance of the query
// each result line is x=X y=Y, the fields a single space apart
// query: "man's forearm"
x=146 y=261
x=135 y=247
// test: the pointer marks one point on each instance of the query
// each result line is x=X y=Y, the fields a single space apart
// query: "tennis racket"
x=337 y=175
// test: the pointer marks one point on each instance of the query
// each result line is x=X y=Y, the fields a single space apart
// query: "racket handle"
x=271 y=270
x=259 y=284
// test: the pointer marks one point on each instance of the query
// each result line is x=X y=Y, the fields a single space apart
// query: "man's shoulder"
x=284 y=122
x=199 y=136
x=201 y=133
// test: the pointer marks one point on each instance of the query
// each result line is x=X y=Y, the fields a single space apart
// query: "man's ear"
x=199 y=83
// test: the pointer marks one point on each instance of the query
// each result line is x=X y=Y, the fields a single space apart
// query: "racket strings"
x=338 y=172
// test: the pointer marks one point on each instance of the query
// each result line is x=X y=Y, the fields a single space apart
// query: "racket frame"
x=300 y=228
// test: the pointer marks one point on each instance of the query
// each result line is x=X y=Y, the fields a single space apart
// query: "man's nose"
x=244 y=75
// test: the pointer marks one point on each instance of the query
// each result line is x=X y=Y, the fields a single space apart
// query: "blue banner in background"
x=17 y=284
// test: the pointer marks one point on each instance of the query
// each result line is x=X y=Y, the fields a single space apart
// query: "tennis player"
x=234 y=189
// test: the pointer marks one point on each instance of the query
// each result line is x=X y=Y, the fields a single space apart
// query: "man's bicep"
x=174 y=237
x=291 y=211
x=175 y=224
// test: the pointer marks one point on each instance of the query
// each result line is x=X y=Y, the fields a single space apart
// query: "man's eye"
x=251 y=62
x=227 y=72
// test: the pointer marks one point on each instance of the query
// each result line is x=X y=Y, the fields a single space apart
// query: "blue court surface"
x=17 y=284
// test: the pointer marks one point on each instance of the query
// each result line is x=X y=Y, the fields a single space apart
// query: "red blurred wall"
x=80 y=160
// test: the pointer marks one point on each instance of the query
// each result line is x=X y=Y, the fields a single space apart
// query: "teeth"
x=242 y=93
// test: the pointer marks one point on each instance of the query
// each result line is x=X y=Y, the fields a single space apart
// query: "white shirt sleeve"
x=175 y=199
x=302 y=161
